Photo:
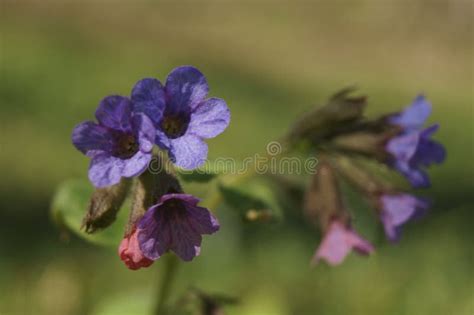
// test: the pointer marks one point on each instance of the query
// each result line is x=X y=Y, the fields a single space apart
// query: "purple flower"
x=182 y=114
x=414 y=116
x=399 y=209
x=119 y=145
x=338 y=241
x=176 y=223
x=412 y=149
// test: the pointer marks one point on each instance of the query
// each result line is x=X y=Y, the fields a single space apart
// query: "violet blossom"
x=413 y=149
x=119 y=145
x=176 y=223
x=182 y=114
x=397 y=210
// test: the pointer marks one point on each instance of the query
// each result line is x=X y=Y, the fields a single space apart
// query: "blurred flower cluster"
x=344 y=139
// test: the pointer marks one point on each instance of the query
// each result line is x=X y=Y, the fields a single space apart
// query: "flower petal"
x=162 y=140
x=187 y=198
x=412 y=150
x=201 y=220
x=210 y=118
x=400 y=208
x=185 y=88
x=130 y=253
x=414 y=116
x=137 y=164
x=338 y=241
x=360 y=245
x=391 y=231
x=148 y=97
x=417 y=177
x=404 y=146
x=428 y=151
x=188 y=151
x=114 y=112
x=186 y=242
x=333 y=247
x=105 y=170
x=428 y=132
x=145 y=131
x=162 y=228
x=154 y=234
x=91 y=138
x=397 y=210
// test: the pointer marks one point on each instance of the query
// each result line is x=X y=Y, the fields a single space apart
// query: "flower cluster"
x=398 y=141
x=177 y=117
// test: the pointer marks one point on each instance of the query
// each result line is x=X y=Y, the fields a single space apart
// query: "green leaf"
x=193 y=176
x=324 y=122
x=207 y=172
x=69 y=206
x=256 y=200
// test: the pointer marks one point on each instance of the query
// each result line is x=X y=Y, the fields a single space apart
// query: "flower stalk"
x=165 y=284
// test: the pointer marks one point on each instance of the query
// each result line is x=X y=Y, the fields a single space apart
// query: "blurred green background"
x=271 y=61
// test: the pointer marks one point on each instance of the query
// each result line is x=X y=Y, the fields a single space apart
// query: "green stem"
x=171 y=264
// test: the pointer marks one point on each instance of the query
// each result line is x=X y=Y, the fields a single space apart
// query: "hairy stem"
x=167 y=277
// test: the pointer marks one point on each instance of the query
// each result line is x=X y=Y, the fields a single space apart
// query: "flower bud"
x=364 y=143
x=142 y=199
x=131 y=254
x=323 y=198
x=360 y=178
x=323 y=203
x=104 y=206
x=326 y=121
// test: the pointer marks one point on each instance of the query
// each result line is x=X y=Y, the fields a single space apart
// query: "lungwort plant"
x=143 y=147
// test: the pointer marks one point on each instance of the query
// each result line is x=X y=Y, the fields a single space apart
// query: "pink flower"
x=338 y=241
x=130 y=253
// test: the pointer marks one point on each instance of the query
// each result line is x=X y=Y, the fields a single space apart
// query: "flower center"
x=174 y=126
x=173 y=209
x=175 y=205
x=127 y=146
